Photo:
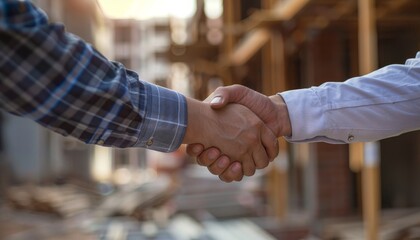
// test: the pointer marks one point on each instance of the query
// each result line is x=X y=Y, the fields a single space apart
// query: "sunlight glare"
x=148 y=9
x=213 y=8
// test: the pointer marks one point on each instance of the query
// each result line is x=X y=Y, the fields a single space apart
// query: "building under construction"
x=311 y=191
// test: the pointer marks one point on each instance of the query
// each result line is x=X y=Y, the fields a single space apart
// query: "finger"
x=270 y=143
x=260 y=157
x=220 y=165
x=233 y=173
x=209 y=156
x=248 y=166
x=194 y=150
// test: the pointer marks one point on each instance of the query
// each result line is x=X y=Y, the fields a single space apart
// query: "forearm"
x=382 y=104
x=64 y=84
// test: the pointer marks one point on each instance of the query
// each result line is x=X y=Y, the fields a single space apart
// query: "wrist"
x=284 y=127
x=196 y=114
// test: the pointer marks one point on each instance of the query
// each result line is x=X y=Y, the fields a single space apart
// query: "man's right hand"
x=236 y=131
x=272 y=110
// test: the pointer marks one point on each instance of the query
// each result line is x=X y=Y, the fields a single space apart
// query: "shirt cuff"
x=165 y=119
x=308 y=121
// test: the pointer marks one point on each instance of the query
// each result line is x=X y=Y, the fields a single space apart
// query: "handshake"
x=235 y=130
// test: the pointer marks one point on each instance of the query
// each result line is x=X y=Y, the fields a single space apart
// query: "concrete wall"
x=26 y=148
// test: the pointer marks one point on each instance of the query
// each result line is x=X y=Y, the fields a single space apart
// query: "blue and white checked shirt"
x=64 y=84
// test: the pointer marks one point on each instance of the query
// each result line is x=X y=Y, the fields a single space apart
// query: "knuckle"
x=242 y=151
x=213 y=170
x=239 y=177
x=265 y=164
x=224 y=179
x=250 y=173
x=219 y=89
x=205 y=162
x=252 y=137
x=236 y=86
x=199 y=162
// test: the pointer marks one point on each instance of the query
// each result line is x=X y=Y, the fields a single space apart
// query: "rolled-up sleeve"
x=381 y=104
x=64 y=84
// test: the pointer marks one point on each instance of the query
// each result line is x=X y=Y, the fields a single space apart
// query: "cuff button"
x=149 y=142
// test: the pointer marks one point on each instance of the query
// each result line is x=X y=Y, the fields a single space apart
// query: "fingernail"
x=222 y=163
x=236 y=168
x=213 y=154
x=196 y=149
x=217 y=99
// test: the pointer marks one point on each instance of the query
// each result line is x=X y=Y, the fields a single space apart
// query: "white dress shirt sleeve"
x=381 y=104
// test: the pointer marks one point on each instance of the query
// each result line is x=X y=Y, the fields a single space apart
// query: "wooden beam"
x=370 y=173
x=280 y=11
x=277 y=182
x=368 y=55
x=230 y=17
x=273 y=81
x=319 y=22
x=391 y=6
x=370 y=190
x=286 y=10
x=252 y=43
x=356 y=157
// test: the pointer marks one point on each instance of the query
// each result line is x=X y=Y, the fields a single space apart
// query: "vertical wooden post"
x=274 y=81
x=277 y=184
x=368 y=50
x=356 y=157
x=370 y=190
x=230 y=17
x=370 y=172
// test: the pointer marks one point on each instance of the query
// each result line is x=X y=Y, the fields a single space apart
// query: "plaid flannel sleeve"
x=64 y=84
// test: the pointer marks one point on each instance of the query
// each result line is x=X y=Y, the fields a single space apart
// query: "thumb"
x=224 y=95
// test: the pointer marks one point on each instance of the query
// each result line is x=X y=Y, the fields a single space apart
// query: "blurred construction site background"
x=52 y=187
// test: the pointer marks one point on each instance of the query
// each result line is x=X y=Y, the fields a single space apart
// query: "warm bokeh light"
x=102 y=164
x=147 y=9
x=213 y=8
x=116 y=9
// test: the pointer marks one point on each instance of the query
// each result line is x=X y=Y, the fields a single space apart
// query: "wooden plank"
x=235 y=230
x=397 y=227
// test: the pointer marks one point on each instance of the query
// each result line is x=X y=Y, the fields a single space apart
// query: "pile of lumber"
x=395 y=225
x=64 y=201
x=137 y=202
x=70 y=200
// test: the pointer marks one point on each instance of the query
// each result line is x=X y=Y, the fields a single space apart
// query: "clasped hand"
x=235 y=130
